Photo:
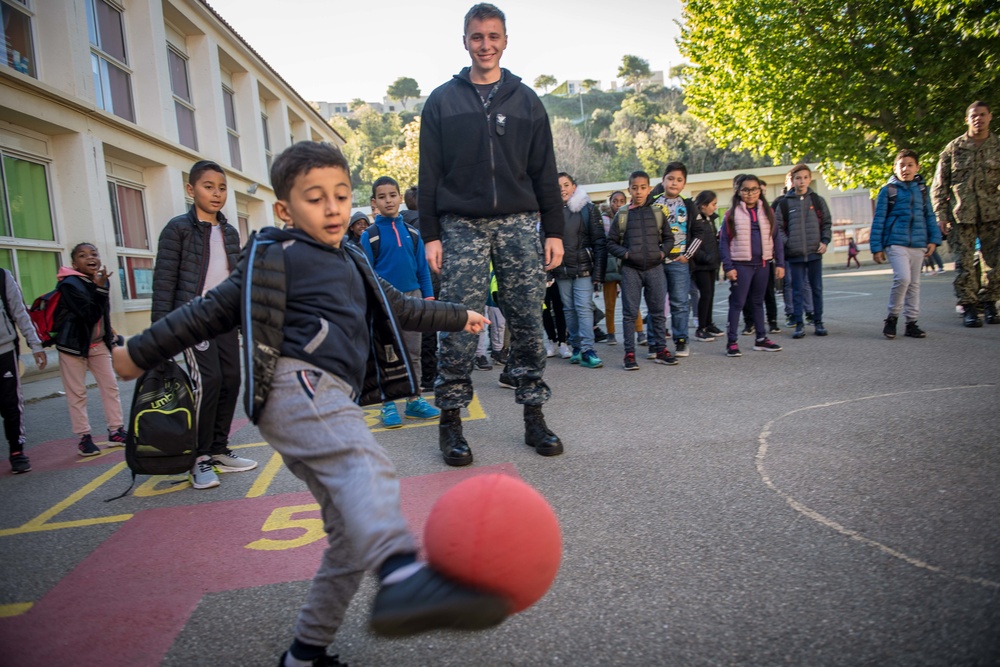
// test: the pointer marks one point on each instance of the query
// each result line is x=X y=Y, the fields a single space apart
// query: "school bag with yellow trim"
x=162 y=427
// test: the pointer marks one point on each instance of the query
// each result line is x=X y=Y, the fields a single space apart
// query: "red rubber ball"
x=498 y=534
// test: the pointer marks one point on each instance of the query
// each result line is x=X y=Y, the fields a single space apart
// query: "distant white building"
x=101 y=118
x=330 y=109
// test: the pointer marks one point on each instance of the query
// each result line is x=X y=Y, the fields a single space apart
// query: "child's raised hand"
x=124 y=366
x=101 y=277
x=476 y=322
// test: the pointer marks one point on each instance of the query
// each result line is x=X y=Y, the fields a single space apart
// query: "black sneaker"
x=772 y=327
x=681 y=348
x=713 y=330
x=322 y=661
x=19 y=463
x=913 y=331
x=500 y=356
x=809 y=318
x=629 y=363
x=748 y=329
x=483 y=364
x=651 y=353
x=820 y=329
x=507 y=381
x=87 y=446
x=765 y=345
x=889 y=330
x=800 y=331
x=703 y=336
x=427 y=600
x=664 y=357
x=789 y=320
x=599 y=335
x=733 y=350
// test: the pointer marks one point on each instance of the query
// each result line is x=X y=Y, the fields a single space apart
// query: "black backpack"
x=162 y=428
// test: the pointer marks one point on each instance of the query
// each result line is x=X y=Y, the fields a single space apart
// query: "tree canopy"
x=402 y=89
x=633 y=70
x=545 y=81
x=844 y=83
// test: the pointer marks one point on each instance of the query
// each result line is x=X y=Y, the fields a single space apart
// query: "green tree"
x=633 y=70
x=367 y=135
x=847 y=84
x=402 y=89
x=545 y=81
x=400 y=162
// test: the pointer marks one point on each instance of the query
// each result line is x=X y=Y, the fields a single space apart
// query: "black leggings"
x=705 y=282
x=770 y=303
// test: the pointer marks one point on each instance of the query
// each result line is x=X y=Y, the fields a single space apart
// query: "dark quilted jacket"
x=180 y=268
x=260 y=275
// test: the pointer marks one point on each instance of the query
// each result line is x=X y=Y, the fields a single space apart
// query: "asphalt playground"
x=835 y=503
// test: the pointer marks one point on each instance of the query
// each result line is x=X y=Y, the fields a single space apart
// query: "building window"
x=243 y=220
x=229 y=102
x=19 y=52
x=180 y=85
x=108 y=61
x=26 y=215
x=268 y=154
x=135 y=269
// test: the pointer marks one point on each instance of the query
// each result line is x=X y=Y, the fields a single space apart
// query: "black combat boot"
x=538 y=435
x=971 y=316
x=990 y=312
x=454 y=448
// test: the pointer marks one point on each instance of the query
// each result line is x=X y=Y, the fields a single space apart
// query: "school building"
x=104 y=106
x=851 y=210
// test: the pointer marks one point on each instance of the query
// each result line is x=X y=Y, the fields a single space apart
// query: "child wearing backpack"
x=196 y=252
x=641 y=238
x=305 y=383
x=396 y=251
x=748 y=241
x=904 y=232
x=15 y=316
x=805 y=221
x=84 y=339
x=705 y=265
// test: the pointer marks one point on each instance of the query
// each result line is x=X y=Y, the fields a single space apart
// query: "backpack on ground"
x=43 y=316
x=162 y=434
x=374 y=237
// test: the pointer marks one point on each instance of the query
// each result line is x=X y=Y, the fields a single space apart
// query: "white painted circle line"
x=843 y=530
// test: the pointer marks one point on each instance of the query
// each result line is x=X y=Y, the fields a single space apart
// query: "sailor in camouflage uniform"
x=966 y=198
x=488 y=190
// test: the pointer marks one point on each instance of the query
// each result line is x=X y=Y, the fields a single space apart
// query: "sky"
x=338 y=50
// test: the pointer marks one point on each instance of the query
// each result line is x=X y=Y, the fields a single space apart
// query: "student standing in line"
x=705 y=266
x=748 y=240
x=196 y=252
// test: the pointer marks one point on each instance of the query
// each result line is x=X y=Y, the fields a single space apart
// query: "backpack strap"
x=783 y=205
x=891 y=191
x=374 y=238
x=622 y=218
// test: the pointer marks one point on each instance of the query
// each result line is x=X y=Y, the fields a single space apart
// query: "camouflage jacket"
x=966 y=187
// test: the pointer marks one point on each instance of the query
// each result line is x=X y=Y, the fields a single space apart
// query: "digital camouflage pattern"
x=966 y=199
x=514 y=244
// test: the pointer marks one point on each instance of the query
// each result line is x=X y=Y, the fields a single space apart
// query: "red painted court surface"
x=149 y=570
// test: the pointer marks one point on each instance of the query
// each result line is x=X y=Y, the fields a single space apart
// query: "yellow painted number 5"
x=281 y=519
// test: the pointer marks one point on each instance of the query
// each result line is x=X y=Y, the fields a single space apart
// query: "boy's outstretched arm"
x=476 y=322
x=124 y=366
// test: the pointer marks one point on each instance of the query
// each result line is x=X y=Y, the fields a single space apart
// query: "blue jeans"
x=678 y=277
x=633 y=283
x=807 y=296
x=577 y=297
x=807 y=272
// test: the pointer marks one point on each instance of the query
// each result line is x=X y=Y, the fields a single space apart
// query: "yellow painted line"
x=15 y=609
x=374 y=420
x=252 y=444
x=39 y=522
x=59 y=525
x=266 y=476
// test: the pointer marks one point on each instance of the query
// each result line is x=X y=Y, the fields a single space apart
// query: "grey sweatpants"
x=904 y=297
x=320 y=432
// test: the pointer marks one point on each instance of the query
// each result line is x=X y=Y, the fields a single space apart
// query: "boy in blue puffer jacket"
x=905 y=232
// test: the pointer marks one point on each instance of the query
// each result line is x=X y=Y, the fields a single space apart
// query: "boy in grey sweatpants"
x=323 y=334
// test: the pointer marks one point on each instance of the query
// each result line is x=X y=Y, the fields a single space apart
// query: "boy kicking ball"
x=306 y=302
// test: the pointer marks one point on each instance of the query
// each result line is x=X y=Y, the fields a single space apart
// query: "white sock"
x=402 y=573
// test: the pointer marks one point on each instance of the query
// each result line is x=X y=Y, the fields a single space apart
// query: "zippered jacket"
x=587 y=254
x=254 y=297
x=182 y=260
x=911 y=222
x=82 y=306
x=805 y=227
x=637 y=239
x=476 y=163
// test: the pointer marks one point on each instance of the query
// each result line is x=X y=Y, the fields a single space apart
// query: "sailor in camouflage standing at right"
x=966 y=197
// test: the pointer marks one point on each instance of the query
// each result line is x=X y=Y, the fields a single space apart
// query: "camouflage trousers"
x=967 y=282
x=513 y=243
